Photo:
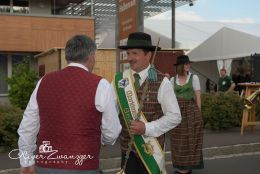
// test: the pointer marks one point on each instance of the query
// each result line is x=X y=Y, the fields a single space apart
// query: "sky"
x=237 y=11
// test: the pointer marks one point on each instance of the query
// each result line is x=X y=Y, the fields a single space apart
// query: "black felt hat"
x=182 y=59
x=139 y=40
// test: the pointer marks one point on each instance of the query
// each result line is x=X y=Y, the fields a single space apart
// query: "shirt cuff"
x=107 y=142
x=26 y=160
x=149 y=127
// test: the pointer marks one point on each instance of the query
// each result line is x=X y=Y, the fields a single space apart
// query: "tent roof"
x=188 y=34
x=226 y=44
x=192 y=33
x=164 y=41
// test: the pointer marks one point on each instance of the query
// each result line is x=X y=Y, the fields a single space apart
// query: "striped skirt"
x=187 y=138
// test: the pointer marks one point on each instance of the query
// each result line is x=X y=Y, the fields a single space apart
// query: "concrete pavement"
x=224 y=152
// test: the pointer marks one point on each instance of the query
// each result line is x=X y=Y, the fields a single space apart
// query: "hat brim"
x=183 y=63
x=151 y=48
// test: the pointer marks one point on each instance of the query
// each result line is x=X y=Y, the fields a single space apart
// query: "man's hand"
x=28 y=170
x=137 y=128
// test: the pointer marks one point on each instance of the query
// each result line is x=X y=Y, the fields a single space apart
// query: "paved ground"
x=245 y=164
x=224 y=152
x=211 y=139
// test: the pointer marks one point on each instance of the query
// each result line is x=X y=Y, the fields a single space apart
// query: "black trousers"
x=134 y=164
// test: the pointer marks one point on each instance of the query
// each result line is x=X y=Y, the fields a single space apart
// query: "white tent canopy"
x=226 y=44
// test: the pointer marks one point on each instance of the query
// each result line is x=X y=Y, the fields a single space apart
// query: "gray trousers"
x=41 y=170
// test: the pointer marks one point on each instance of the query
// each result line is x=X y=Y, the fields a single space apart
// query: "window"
x=16 y=58
x=3 y=74
x=20 y=6
x=5 y=6
x=19 y=58
x=15 y=6
x=72 y=9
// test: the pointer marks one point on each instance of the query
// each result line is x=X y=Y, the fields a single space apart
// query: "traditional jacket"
x=151 y=110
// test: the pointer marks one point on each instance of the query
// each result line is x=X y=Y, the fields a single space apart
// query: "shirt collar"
x=78 y=65
x=143 y=74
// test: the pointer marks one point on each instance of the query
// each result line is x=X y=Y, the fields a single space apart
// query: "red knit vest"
x=69 y=136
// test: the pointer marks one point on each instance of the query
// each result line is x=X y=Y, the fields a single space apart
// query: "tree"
x=22 y=84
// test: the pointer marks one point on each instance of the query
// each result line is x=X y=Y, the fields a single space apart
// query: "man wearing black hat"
x=160 y=110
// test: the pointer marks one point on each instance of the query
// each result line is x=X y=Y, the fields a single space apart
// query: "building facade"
x=29 y=27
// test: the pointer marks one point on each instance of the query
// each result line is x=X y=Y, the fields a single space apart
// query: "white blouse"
x=195 y=81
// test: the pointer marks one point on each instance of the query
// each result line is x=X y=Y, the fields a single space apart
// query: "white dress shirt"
x=30 y=124
x=171 y=111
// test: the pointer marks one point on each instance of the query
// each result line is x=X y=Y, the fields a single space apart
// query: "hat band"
x=136 y=42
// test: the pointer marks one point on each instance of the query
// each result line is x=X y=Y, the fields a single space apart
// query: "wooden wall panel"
x=15 y=41
x=63 y=24
x=105 y=65
x=37 y=34
x=62 y=58
x=50 y=62
x=14 y=23
x=165 y=61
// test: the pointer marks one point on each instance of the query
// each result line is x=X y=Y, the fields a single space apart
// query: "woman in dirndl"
x=187 y=137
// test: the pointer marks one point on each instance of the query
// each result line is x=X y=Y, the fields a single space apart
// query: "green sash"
x=148 y=148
